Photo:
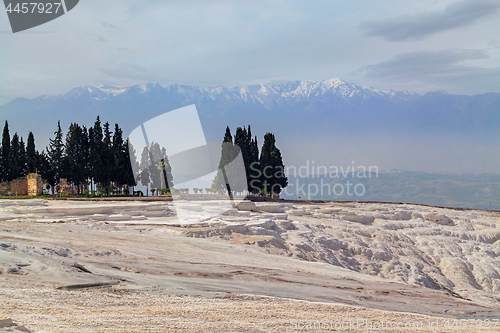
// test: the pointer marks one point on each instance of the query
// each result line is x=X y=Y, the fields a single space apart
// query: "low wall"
x=15 y=187
x=29 y=185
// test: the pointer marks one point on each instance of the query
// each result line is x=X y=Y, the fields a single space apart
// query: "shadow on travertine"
x=7 y=325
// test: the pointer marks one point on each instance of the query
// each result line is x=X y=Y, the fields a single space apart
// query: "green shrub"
x=101 y=191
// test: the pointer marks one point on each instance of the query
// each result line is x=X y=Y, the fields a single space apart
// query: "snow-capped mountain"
x=294 y=110
x=289 y=92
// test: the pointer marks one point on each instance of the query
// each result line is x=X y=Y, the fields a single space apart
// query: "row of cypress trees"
x=86 y=156
x=17 y=159
x=265 y=174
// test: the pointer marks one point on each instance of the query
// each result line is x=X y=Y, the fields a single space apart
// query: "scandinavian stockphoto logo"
x=26 y=15
x=170 y=152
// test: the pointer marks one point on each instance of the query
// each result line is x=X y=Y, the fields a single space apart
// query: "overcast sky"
x=418 y=45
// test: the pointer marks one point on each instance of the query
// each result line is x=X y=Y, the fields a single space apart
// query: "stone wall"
x=15 y=187
x=29 y=185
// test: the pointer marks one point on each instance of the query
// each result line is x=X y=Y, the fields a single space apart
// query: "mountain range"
x=300 y=113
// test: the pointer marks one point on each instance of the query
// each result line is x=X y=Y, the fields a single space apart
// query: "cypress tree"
x=273 y=176
x=31 y=153
x=252 y=162
x=227 y=152
x=243 y=140
x=85 y=147
x=5 y=172
x=253 y=173
x=254 y=150
x=23 y=158
x=117 y=167
x=14 y=158
x=280 y=179
x=95 y=143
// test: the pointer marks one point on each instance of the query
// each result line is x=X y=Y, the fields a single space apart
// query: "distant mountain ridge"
x=301 y=107
x=253 y=93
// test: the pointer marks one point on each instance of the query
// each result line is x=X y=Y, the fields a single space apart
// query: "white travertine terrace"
x=456 y=252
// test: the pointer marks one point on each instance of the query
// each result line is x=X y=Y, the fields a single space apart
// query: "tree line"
x=98 y=157
x=87 y=156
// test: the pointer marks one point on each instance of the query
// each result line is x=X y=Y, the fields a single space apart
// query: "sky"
x=419 y=45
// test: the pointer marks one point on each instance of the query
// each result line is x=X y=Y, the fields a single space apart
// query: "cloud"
x=129 y=72
x=424 y=63
x=456 y=15
x=449 y=68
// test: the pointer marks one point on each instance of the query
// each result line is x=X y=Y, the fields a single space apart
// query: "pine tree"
x=31 y=153
x=107 y=158
x=4 y=166
x=55 y=154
